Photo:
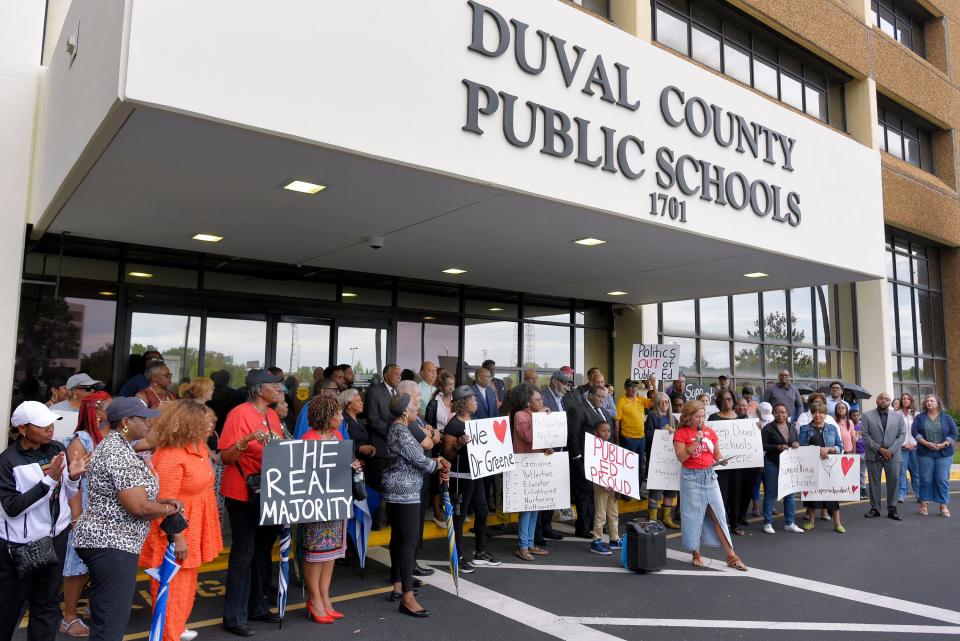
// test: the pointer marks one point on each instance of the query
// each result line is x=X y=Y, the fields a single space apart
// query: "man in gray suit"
x=883 y=435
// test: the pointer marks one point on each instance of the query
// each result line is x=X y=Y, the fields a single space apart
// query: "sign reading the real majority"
x=490 y=449
x=739 y=441
x=549 y=430
x=611 y=466
x=665 y=470
x=538 y=482
x=834 y=478
x=306 y=482
x=662 y=361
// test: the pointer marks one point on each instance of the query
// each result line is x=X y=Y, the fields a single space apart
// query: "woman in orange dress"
x=182 y=463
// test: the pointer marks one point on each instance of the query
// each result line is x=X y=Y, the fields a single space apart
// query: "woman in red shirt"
x=701 y=505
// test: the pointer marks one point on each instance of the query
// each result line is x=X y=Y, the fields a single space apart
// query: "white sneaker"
x=793 y=527
x=768 y=529
x=188 y=635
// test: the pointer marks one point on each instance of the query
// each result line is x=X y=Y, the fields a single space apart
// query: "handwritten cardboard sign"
x=739 y=440
x=306 y=482
x=662 y=360
x=835 y=478
x=549 y=430
x=611 y=466
x=665 y=470
x=538 y=482
x=798 y=470
x=490 y=449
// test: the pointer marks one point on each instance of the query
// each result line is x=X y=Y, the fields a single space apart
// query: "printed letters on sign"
x=490 y=449
x=611 y=466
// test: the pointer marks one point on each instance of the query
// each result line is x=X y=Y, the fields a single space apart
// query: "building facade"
x=769 y=184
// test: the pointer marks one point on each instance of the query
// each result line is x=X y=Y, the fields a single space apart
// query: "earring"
x=125 y=431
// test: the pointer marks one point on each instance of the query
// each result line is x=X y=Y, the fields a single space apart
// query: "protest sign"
x=538 y=482
x=490 y=449
x=693 y=391
x=306 y=482
x=549 y=430
x=611 y=466
x=664 y=472
x=835 y=478
x=739 y=441
x=67 y=424
x=660 y=360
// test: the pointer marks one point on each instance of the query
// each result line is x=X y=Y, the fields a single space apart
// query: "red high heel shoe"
x=317 y=618
x=333 y=614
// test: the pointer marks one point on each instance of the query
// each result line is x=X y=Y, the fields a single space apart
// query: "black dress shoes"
x=893 y=514
x=417 y=583
x=240 y=630
x=872 y=514
x=553 y=535
x=269 y=617
x=422 y=571
x=419 y=613
x=396 y=596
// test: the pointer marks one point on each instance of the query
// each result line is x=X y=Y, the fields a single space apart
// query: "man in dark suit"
x=584 y=418
x=883 y=435
x=486 y=397
x=556 y=397
x=499 y=387
x=377 y=407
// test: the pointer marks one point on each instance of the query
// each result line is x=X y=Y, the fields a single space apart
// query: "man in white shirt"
x=836 y=395
x=427 y=384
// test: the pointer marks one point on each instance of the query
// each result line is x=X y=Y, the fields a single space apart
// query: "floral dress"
x=324 y=540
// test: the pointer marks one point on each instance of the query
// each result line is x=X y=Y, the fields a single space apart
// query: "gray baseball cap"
x=80 y=379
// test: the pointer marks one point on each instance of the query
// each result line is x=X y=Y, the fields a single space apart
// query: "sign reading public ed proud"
x=306 y=482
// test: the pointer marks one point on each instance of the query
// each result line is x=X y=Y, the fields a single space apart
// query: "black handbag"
x=253 y=485
x=359 y=486
x=36 y=555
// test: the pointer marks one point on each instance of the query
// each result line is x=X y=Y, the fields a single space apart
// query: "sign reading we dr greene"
x=662 y=361
x=490 y=449
x=306 y=482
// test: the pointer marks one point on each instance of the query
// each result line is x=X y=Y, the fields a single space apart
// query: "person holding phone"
x=701 y=505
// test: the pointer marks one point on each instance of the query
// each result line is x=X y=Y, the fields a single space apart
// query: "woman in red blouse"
x=701 y=504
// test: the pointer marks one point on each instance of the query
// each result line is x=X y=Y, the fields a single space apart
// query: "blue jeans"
x=909 y=464
x=771 y=474
x=526 y=529
x=935 y=478
x=637 y=445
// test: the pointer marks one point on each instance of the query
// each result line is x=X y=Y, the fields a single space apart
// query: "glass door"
x=175 y=336
x=303 y=346
x=236 y=346
x=364 y=346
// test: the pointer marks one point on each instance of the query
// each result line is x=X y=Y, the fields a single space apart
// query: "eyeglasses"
x=86 y=388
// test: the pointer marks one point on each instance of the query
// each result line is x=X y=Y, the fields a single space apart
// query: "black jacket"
x=377 y=408
x=772 y=440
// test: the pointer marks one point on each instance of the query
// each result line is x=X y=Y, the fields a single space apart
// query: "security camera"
x=375 y=242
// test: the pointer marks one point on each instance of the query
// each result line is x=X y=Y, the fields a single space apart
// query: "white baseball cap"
x=34 y=413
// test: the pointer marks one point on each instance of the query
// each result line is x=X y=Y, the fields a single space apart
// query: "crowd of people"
x=155 y=465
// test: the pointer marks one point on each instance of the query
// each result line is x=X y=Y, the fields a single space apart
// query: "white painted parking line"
x=610 y=569
x=769 y=625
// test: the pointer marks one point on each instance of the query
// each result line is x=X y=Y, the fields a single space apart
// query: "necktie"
x=600 y=412
x=393 y=392
x=883 y=420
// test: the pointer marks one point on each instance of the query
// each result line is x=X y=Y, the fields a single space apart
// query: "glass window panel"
x=775 y=316
x=934 y=271
x=440 y=342
x=672 y=32
x=848 y=366
x=506 y=308
x=926 y=373
x=892 y=320
x=546 y=346
x=366 y=296
x=746 y=316
x=921 y=274
x=736 y=63
x=765 y=77
x=844 y=327
x=678 y=317
x=682 y=6
x=816 y=104
x=546 y=311
x=828 y=364
x=887 y=23
x=736 y=34
x=904 y=34
x=409 y=345
x=913 y=151
x=599 y=7
x=706 y=16
x=39 y=264
x=940 y=370
x=791 y=64
x=141 y=274
x=903 y=267
x=791 y=91
x=592 y=314
x=824 y=318
x=803 y=362
x=765 y=48
x=365 y=348
x=234 y=345
x=910 y=130
x=301 y=348
x=176 y=337
x=775 y=358
x=801 y=316
x=714 y=358
x=433 y=302
x=923 y=329
x=894 y=143
x=905 y=320
x=908 y=369
x=882 y=136
x=746 y=360
x=592 y=349
x=688 y=353
x=485 y=339
x=936 y=327
x=890 y=264
x=714 y=317
x=706 y=48
x=246 y=284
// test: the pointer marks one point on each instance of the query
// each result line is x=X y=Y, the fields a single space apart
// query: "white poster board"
x=538 y=482
x=835 y=478
x=665 y=469
x=661 y=360
x=798 y=470
x=66 y=425
x=739 y=440
x=611 y=466
x=490 y=449
x=549 y=430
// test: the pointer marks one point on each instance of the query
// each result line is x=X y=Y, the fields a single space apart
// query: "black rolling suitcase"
x=644 y=546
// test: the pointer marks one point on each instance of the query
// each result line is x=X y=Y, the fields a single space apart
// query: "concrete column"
x=861 y=99
x=633 y=16
x=631 y=326
x=950 y=272
x=875 y=341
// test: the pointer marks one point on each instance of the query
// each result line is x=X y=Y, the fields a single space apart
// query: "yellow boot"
x=668 y=518
x=652 y=513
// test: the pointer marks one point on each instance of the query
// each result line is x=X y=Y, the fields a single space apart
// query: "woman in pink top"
x=526 y=400
x=848 y=432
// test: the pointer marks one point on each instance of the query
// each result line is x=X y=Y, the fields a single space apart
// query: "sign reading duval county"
x=665 y=470
x=835 y=478
x=490 y=449
x=538 y=482
x=611 y=466
x=662 y=361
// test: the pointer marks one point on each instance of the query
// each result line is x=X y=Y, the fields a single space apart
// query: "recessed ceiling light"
x=756 y=275
x=616 y=293
x=108 y=293
x=348 y=295
x=140 y=274
x=494 y=309
x=429 y=318
x=208 y=238
x=304 y=187
x=590 y=242
x=456 y=271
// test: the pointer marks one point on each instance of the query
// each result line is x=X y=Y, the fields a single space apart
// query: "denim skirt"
x=698 y=491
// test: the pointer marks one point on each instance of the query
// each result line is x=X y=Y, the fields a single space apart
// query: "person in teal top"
x=936 y=434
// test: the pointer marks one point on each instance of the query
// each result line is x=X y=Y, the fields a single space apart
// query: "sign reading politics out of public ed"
x=306 y=482
x=660 y=360
x=490 y=449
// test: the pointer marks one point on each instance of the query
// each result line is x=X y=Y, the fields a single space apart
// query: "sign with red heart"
x=846 y=463
x=490 y=450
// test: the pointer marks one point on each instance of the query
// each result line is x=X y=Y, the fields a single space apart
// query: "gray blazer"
x=875 y=437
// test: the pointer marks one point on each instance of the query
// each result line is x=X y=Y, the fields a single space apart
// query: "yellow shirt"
x=630 y=414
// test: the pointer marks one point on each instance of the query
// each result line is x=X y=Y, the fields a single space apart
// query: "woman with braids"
x=324 y=541
x=182 y=463
x=92 y=427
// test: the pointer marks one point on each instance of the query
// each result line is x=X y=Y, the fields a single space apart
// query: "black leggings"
x=113 y=580
x=473 y=494
x=405 y=525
